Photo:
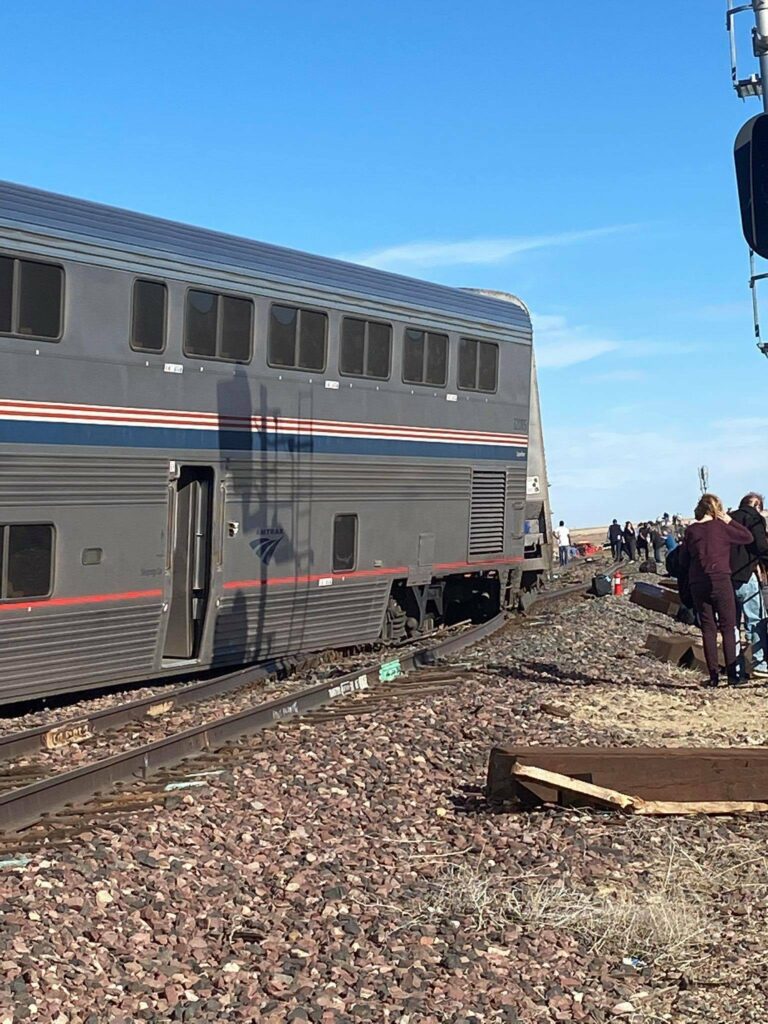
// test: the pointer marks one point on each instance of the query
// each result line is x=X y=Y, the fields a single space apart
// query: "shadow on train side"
x=266 y=477
x=268 y=500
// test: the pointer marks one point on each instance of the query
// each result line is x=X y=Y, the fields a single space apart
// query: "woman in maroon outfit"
x=706 y=565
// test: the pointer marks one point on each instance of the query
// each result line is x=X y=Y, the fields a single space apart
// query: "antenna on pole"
x=703 y=479
x=752 y=86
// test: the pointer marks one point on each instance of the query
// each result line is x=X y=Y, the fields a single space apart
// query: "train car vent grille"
x=486 y=517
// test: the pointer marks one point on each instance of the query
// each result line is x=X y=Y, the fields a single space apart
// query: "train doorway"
x=190 y=540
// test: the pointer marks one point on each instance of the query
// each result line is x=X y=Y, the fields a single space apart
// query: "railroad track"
x=47 y=810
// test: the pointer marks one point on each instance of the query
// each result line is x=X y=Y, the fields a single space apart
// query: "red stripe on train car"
x=59 y=602
x=399 y=570
x=315 y=577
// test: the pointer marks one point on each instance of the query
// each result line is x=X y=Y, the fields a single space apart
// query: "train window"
x=218 y=326
x=26 y=561
x=39 y=299
x=352 y=355
x=282 y=335
x=236 y=326
x=344 y=542
x=487 y=367
x=312 y=332
x=366 y=348
x=6 y=293
x=297 y=338
x=478 y=365
x=30 y=298
x=425 y=357
x=202 y=314
x=150 y=302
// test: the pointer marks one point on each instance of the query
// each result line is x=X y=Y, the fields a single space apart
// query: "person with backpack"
x=705 y=571
x=746 y=565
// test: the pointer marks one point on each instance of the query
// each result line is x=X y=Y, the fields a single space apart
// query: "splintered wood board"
x=661 y=774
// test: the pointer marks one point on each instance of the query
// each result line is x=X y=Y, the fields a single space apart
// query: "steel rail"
x=155 y=705
x=26 y=805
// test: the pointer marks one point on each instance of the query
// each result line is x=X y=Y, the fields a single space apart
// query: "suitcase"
x=601 y=585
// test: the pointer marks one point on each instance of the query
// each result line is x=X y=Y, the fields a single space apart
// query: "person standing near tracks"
x=705 y=577
x=657 y=542
x=616 y=539
x=630 y=541
x=563 y=535
x=746 y=566
x=643 y=534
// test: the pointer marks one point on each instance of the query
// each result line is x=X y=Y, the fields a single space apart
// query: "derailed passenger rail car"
x=214 y=451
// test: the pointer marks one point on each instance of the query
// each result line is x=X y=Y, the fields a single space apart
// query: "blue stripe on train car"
x=119 y=436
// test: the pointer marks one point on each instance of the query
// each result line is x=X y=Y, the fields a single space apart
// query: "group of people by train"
x=649 y=541
x=721 y=571
x=720 y=562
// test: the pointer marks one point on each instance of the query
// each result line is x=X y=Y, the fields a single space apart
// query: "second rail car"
x=215 y=451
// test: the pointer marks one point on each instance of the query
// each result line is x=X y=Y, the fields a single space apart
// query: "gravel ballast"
x=351 y=870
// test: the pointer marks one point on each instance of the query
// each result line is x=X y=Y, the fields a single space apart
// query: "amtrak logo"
x=266 y=544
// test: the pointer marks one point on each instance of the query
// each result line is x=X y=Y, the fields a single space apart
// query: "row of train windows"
x=219 y=326
x=26 y=556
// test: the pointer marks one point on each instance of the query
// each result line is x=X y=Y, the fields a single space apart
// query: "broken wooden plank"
x=525 y=772
x=701 y=807
x=679 y=774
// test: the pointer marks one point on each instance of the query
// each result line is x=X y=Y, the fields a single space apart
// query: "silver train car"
x=214 y=451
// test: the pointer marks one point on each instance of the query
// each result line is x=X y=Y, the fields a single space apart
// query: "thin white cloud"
x=749 y=428
x=412 y=256
x=558 y=344
x=637 y=472
x=619 y=376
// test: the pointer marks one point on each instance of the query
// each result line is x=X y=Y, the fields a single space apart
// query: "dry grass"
x=674 y=918
x=661 y=922
x=670 y=921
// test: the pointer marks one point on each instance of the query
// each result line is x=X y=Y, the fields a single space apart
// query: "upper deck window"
x=478 y=365
x=31 y=298
x=425 y=357
x=297 y=338
x=218 y=326
x=366 y=348
x=150 y=303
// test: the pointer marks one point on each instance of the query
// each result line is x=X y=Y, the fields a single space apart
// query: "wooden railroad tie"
x=635 y=780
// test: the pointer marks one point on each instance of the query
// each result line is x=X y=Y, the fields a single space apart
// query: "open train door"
x=538 y=513
x=190 y=539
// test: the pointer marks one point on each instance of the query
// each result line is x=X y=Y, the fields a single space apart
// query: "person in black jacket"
x=616 y=537
x=658 y=545
x=746 y=561
x=630 y=541
x=643 y=535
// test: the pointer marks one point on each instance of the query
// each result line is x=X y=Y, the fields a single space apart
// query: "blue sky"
x=578 y=159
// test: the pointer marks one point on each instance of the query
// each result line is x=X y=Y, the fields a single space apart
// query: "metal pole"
x=760 y=41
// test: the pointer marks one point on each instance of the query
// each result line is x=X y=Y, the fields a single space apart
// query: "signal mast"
x=751 y=147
